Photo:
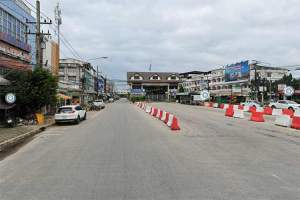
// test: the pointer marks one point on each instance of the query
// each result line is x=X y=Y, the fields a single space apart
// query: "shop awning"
x=64 y=97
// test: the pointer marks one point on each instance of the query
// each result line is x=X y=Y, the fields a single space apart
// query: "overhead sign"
x=10 y=98
x=237 y=72
x=288 y=91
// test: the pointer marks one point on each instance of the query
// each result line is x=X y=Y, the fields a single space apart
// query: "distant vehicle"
x=99 y=103
x=72 y=113
x=110 y=100
x=251 y=103
x=281 y=104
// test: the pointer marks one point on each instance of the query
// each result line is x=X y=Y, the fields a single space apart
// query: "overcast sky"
x=180 y=35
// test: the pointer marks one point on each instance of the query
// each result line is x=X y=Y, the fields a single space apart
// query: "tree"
x=33 y=89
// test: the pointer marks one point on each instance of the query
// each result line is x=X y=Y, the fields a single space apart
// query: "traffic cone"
x=175 y=125
x=288 y=112
x=268 y=110
x=257 y=117
x=296 y=122
x=167 y=117
x=229 y=112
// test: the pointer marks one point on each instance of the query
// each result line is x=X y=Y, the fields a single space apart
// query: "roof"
x=146 y=75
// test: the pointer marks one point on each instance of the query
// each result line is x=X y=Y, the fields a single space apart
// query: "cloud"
x=180 y=35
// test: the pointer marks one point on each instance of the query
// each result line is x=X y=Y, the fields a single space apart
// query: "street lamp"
x=98 y=58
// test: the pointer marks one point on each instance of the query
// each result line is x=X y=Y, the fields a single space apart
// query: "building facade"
x=51 y=56
x=17 y=49
x=221 y=87
x=156 y=86
x=77 y=80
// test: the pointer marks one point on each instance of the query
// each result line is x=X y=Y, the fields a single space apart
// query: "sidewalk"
x=12 y=136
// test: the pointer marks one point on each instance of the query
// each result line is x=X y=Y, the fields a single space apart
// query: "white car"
x=72 y=113
x=251 y=103
x=281 y=104
x=99 y=103
x=111 y=100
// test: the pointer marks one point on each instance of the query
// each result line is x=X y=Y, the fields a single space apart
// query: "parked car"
x=285 y=104
x=99 y=103
x=250 y=103
x=72 y=113
x=110 y=100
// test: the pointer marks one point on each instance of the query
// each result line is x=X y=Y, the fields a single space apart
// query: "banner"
x=237 y=72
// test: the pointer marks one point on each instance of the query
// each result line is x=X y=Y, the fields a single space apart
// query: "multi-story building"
x=154 y=85
x=231 y=81
x=51 y=56
x=17 y=49
x=77 y=80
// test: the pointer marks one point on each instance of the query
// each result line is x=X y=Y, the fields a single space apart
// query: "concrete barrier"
x=226 y=106
x=170 y=120
x=238 y=114
x=246 y=108
x=235 y=107
x=163 y=118
x=260 y=109
x=297 y=113
x=148 y=109
x=216 y=105
x=277 y=112
x=283 y=120
x=158 y=113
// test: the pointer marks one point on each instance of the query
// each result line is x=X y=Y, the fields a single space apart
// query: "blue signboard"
x=237 y=72
x=101 y=85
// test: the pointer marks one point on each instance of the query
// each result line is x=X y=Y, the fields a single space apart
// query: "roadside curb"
x=21 y=138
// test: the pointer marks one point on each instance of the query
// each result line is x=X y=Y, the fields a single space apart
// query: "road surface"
x=123 y=153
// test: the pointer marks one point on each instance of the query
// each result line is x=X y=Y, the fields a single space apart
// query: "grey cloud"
x=180 y=35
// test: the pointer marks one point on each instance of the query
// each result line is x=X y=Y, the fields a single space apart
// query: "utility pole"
x=38 y=34
x=58 y=21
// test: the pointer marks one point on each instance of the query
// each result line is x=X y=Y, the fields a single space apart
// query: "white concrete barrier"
x=277 y=112
x=170 y=120
x=216 y=105
x=226 y=106
x=238 y=114
x=148 y=109
x=235 y=107
x=246 y=108
x=164 y=115
x=297 y=113
x=157 y=114
x=260 y=109
x=283 y=120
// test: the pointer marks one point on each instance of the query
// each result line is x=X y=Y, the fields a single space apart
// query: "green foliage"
x=33 y=89
x=137 y=98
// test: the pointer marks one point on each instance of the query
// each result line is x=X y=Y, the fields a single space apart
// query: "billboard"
x=237 y=72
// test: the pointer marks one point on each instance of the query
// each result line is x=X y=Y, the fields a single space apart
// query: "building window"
x=173 y=77
x=269 y=74
x=61 y=78
x=155 y=77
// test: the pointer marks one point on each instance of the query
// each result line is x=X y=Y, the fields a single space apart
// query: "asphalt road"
x=123 y=153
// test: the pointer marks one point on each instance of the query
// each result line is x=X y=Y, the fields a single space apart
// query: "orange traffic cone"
x=175 y=125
